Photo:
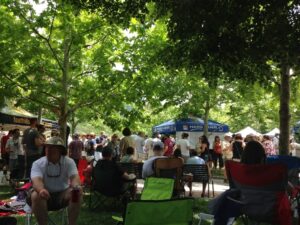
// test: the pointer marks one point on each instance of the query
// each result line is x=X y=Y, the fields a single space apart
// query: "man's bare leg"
x=39 y=208
x=73 y=208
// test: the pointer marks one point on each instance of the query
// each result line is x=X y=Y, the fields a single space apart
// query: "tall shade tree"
x=232 y=35
x=64 y=59
x=232 y=32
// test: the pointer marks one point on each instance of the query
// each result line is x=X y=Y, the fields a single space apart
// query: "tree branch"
x=86 y=72
x=43 y=38
x=50 y=106
x=51 y=26
x=83 y=103
x=90 y=45
x=8 y=77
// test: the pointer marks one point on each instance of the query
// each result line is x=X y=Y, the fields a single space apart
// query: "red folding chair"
x=263 y=191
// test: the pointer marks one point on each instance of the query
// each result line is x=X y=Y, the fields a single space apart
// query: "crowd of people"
x=52 y=165
x=20 y=152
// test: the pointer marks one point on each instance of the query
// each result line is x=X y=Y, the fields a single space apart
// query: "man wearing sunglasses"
x=54 y=176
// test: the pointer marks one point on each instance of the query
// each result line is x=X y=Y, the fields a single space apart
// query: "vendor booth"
x=273 y=132
x=11 y=118
x=248 y=131
x=194 y=127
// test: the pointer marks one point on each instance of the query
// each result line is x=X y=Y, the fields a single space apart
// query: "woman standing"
x=218 y=154
x=237 y=147
x=13 y=147
x=268 y=145
x=204 y=149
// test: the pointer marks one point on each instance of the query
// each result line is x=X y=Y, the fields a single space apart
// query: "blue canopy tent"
x=193 y=126
x=189 y=125
x=296 y=128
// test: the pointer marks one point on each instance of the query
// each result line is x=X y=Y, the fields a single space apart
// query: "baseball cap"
x=56 y=141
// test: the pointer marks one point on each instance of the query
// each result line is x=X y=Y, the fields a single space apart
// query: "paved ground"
x=219 y=187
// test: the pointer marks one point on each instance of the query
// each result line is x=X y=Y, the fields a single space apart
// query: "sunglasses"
x=53 y=170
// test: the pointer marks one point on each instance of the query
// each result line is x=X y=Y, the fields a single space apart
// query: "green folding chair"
x=166 y=212
x=156 y=188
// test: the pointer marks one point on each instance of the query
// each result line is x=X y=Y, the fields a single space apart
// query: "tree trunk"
x=284 y=111
x=206 y=114
x=74 y=123
x=40 y=112
x=64 y=100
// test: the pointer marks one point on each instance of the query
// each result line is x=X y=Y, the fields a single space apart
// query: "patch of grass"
x=217 y=173
x=103 y=214
x=5 y=192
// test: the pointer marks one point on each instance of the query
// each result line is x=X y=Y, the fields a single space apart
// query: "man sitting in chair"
x=54 y=177
x=110 y=178
x=148 y=164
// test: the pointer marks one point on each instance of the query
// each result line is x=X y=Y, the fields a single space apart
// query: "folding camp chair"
x=291 y=162
x=103 y=187
x=293 y=165
x=157 y=189
x=167 y=212
x=171 y=168
x=58 y=217
x=262 y=189
x=201 y=174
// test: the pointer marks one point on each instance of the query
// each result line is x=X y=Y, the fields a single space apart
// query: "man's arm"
x=75 y=180
x=7 y=148
x=127 y=176
x=38 y=186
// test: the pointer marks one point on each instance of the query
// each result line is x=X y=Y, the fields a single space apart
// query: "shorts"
x=56 y=201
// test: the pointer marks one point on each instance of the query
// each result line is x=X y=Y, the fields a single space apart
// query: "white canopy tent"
x=273 y=132
x=248 y=130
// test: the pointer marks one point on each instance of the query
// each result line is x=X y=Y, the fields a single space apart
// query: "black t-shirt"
x=108 y=177
x=237 y=150
x=29 y=140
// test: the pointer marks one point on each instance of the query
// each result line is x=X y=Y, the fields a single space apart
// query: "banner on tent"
x=168 y=128
x=197 y=128
x=190 y=125
x=9 y=119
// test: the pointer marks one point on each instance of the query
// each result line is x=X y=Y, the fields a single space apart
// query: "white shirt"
x=276 y=144
x=148 y=145
x=15 y=147
x=139 y=143
x=148 y=166
x=55 y=176
x=184 y=146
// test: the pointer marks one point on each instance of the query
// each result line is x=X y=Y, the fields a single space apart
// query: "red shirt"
x=4 y=139
x=169 y=144
x=218 y=148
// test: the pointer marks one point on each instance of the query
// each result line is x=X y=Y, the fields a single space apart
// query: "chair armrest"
x=236 y=200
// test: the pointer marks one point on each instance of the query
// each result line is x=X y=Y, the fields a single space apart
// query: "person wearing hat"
x=53 y=177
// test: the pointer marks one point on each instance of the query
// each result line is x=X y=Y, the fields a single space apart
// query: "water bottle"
x=75 y=194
